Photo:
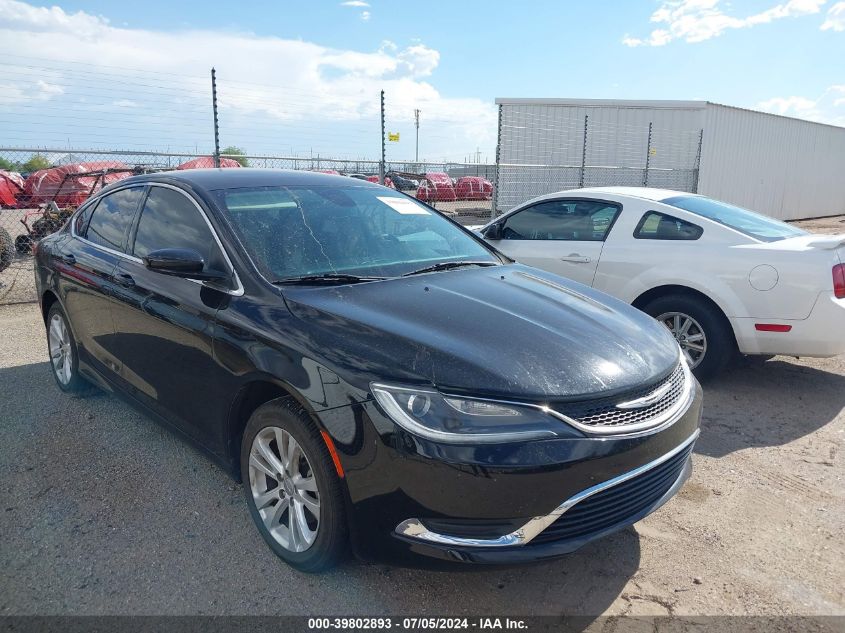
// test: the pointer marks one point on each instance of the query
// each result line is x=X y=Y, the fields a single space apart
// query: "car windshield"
x=300 y=231
x=748 y=222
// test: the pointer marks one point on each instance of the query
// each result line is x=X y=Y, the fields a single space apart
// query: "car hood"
x=499 y=331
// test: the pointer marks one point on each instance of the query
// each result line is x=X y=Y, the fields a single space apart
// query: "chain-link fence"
x=546 y=149
x=539 y=150
x=34 y=203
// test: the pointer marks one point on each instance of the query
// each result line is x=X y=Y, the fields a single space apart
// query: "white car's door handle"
x=575 y=258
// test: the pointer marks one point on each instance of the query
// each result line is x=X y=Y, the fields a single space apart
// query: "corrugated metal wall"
x=550 y=132
x=786 y=168
x=542 y=145
x=782 y=167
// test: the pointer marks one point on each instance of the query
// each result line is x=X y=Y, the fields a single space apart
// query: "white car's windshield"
x=753 y=224
x=297 y=231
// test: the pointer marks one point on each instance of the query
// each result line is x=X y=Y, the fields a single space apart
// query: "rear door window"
x=112 y=217
x=660 y=226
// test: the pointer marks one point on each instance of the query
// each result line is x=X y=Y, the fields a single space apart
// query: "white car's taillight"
x=839 y=281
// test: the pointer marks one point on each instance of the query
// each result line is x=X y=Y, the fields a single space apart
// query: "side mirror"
x=181 y=262
x=493 y=232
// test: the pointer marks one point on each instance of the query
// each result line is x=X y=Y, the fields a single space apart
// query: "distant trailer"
x=783 y=167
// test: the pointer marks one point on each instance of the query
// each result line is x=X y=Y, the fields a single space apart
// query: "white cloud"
x=359 y=4
x=48 y=19
x=11 y=94
x=28 y=91
x=799 y=106
x=276 y=95
x=419 y=60
x=827 y=108
x=47 y=90
x=835 y=18
x=700 y=20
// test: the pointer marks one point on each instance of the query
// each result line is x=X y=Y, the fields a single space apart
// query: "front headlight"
x=456 y=420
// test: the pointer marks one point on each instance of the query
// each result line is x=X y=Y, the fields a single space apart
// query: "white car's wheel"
x=702 y=331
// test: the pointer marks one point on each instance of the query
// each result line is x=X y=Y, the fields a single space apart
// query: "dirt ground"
x=104 y=512
x=835 y=224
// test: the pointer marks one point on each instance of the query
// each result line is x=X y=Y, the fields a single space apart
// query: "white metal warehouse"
x=784 y=167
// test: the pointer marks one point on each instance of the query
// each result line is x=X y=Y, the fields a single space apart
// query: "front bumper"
x=484 y=500
x=539 y=551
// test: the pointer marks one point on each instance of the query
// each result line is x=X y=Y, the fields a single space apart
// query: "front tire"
x=292 y=488
x=64 y=354
x=702 y=331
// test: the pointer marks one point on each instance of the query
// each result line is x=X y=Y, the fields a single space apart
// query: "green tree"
x=7 y=164
x=235 y=153
x=35 y=162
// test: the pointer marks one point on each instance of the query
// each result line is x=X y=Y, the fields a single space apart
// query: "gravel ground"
x=104 y=512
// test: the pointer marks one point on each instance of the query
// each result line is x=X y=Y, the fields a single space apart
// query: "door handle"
x=575 y=258
x=68 y=258
x=125 y=280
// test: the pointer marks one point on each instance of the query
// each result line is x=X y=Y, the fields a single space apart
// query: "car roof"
x=212 y=179
x=646 y=193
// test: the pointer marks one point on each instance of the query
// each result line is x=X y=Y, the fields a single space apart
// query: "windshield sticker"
x=404 y=206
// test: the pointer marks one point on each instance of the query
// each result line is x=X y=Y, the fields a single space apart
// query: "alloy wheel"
x=61 y=354
x=689 y=334
x=284 y=489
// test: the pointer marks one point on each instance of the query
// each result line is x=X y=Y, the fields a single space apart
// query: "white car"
x=721 y=278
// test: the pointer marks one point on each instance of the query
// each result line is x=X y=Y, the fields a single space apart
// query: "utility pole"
x=216 y=123
x=417 y=123
x=383 y=149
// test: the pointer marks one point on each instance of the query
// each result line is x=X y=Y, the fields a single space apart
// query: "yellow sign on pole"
x=393 y=137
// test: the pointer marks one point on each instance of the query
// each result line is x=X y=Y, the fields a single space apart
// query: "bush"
x=235 y=153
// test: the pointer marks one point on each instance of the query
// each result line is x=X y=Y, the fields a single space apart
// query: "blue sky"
x=450 y=59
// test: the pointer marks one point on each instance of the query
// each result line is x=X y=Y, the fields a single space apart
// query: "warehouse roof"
x=650 y=104
x=612 y=103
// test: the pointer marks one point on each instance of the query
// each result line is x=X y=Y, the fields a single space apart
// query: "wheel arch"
x=676 y=289
x=48 y=298
x=257 y=391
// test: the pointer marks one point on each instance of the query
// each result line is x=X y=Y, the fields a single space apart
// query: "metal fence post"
x=584 y=151
x=216 y=123
x=383 y=149
x=647 y=156
x=417 y=146
x=697 y=162
x=495 y=202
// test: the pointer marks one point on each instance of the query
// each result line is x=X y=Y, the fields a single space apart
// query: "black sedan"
x=375 y=374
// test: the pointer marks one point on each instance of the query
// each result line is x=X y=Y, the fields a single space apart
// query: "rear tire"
x=296 y=504
x=7 y=249
x=64 y=354
x=702 y=331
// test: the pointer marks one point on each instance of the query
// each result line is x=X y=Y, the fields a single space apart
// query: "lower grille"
x=616 y=505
